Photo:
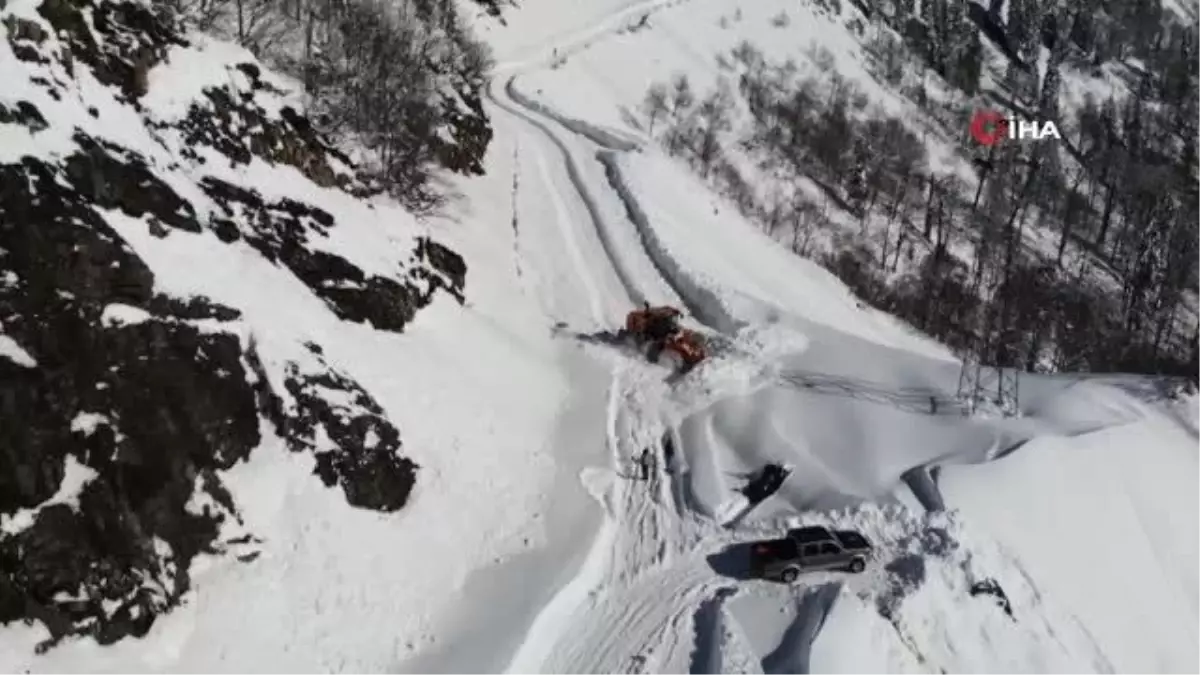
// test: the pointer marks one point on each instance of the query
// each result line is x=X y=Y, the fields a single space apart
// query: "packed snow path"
x=627 y=595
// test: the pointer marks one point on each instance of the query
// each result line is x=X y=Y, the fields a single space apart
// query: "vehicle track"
x=643 y=589
x=631 y=288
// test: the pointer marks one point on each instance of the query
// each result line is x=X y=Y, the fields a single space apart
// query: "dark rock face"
x=152 y=409
x=365 y=460
x=990 y=587
x=495 y=7
x=453 y=269
x=235 y=125
x=469 y=128
x=25 y=114
x=132 y=402
x=123 y=41
x=279 y=231
x=114 y=178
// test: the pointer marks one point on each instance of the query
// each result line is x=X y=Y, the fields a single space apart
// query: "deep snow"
x=531 y=547
x=488 y=464
x=842 y=398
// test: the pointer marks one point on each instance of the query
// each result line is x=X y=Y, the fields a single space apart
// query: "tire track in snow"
x=701 y=303
x=631 y=288
x=624 y=623
x=654 y=598
x=572 y=244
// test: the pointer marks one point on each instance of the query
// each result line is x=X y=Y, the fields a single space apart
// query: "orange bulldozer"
x=658 y=327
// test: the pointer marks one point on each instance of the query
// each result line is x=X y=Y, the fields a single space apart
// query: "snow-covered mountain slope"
x=605 y=82
x=234 y=382
x=524 y=537
x=801 y=112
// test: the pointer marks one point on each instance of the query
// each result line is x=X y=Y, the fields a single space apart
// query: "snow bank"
x=1106 y=524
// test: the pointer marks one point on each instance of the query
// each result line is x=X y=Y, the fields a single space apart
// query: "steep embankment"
x=238 y=371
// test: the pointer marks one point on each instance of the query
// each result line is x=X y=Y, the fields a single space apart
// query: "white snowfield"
x=531 y=546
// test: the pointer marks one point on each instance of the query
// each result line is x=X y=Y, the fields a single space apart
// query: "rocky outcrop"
x=361 y=451
x=280 y=231
x=151 y=405
x=132 y=402
x=232 y=122
x=495 y=7
x=116 y=41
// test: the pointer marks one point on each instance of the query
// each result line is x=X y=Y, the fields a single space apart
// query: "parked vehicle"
x=811 y=533
x=848 y=539
x=809 y=549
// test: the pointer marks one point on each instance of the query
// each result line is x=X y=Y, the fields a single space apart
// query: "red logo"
x=988 y=126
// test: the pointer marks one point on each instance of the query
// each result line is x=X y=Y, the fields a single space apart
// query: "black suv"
x=809 y=548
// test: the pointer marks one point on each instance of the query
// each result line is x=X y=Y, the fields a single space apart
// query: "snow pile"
x=1106 y=524
x=1073 y=549
x=955 y=601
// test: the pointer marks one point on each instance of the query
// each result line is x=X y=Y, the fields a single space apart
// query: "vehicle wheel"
x=857 y=565
x=789 y=575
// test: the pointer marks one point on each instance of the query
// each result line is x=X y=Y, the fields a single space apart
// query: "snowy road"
x=627 y=595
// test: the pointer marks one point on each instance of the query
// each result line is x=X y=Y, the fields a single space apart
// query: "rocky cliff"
x=140 y=166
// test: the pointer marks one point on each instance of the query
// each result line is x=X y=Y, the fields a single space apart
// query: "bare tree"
x=714 y=115
x=682 y=97
x=654 y=105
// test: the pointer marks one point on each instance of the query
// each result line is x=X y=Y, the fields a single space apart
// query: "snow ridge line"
x=589 y=202
x=701 y=302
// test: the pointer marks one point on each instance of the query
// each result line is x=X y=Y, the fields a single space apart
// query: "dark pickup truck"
x=809 y=549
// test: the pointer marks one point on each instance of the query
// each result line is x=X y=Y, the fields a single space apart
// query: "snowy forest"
x=1071 y=255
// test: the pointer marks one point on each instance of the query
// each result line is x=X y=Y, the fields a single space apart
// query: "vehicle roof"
x=810 y=533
